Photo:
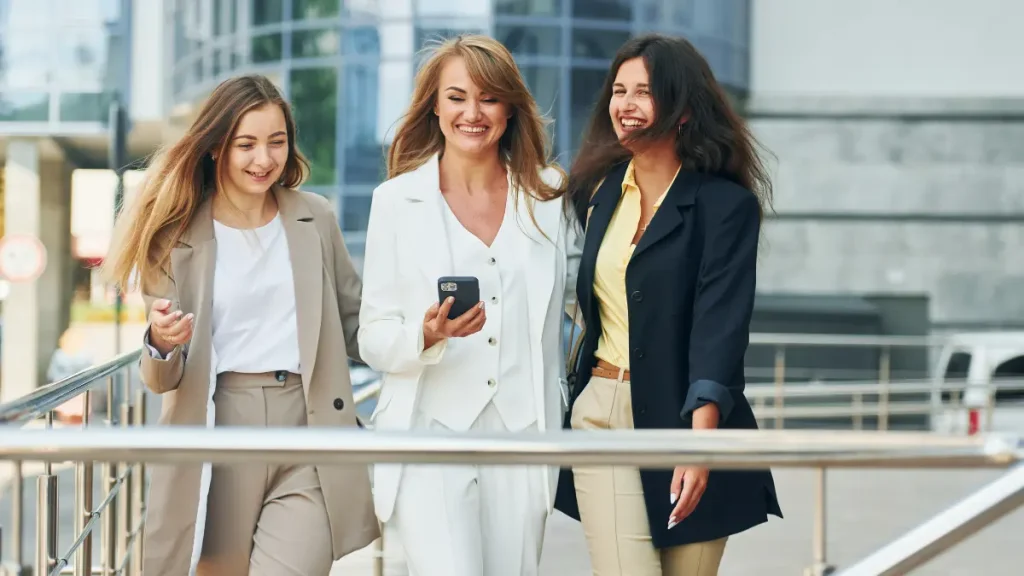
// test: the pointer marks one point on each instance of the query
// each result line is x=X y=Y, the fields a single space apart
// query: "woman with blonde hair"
x=470 y=194
x=254 y=307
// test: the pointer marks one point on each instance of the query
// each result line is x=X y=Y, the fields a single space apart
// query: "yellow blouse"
x=610 y=272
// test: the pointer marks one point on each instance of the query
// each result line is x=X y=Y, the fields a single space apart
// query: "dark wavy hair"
x=714 y=139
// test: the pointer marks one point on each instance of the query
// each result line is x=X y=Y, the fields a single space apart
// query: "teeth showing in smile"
x=257 y=175
x=631 y=123
x=472 y=129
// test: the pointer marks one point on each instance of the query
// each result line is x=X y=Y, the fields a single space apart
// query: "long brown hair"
x=181 y=178
x=524 y=146
x=714 y=139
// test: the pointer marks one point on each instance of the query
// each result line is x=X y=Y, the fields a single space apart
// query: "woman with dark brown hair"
x=670 y=191
x=253 y=308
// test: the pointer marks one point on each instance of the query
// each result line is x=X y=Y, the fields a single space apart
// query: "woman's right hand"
x=437 y=326
x=168 y=329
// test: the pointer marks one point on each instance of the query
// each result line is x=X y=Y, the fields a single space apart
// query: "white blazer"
x=406 y=252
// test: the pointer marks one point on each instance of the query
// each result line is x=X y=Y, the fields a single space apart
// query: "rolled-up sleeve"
x=724 y=300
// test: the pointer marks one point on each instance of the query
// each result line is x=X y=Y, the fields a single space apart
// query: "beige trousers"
x=264 y=520
x=611 y=501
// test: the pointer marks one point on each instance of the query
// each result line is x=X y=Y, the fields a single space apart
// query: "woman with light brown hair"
x=253 y=307
x=472 y=203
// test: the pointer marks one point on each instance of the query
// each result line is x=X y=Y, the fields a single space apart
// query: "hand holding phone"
x=458 y=312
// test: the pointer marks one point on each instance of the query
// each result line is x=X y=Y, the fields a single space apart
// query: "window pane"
x=602 y=44
x=529 y=7
x=544 y=84
x=24 y=107
x=315 y=43
x=364 y=155
x=355 y=213
x=586 y=88
x=603 y=9
x=266 y=48
x=267 y=11
x=84 y=107
x=532 y=40
x=308 y=9
x=314 y=98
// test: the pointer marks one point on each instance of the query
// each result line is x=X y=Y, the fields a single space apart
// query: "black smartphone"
x=465 y=290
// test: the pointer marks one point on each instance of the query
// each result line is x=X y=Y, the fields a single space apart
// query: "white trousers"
x=455 y=520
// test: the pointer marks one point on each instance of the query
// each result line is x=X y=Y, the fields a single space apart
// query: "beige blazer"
x=327 y=291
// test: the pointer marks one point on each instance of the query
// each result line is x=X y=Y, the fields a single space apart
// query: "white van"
x=988 y=364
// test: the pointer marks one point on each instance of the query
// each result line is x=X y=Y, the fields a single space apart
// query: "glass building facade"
x=61 y=62
x=347 y=66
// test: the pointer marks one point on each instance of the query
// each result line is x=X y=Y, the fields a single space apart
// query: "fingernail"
x=190 y=316
x=672 y=524
x=672 y=497
x=450 y=300
x=177 y=314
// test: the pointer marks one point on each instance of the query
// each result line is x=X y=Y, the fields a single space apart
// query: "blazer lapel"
x=306 y=255
x=669 y=216
x=540 y=278
x=425 y=218
x=193 y=263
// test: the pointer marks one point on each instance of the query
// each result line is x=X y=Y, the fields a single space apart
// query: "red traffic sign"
x=22 y=258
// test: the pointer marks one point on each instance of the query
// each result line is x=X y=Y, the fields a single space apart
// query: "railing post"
x=884 y=370
x=821 y=566
x=46 y=514
x=108 y=535
x=138 y=489
x=18 y=516
x=780 y=380
x=84 y=500
x=123 y=499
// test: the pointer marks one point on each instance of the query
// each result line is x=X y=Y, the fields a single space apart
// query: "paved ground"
x=867 y=509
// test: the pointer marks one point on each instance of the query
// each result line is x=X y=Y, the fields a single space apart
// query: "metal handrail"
x=945 y=530
x=48 y=398
x=650 y=448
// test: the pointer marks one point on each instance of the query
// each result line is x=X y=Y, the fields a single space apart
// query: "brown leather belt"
x=608 y=370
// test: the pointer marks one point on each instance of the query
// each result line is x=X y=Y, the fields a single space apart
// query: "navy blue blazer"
x=690 y=284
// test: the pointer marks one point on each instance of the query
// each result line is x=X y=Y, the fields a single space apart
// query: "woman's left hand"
x=688 y=484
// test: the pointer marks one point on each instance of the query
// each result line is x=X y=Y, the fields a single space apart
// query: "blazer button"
x=492 y=340
x=339 y=404
x=638 y=352
x=491 y=260
x=492 y=382
x=636 y=296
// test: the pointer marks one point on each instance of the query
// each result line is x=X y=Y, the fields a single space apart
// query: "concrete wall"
x=898 y=132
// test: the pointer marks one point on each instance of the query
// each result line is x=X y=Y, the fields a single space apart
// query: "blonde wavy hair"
x=182 y=177
x=524 y=147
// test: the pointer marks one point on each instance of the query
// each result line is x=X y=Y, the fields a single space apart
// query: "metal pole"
x=378 y=554
x=83 y=562
x=945 y=530
x=108 y=534
x=884 y=369
x=821 y=566
x=18 y=515
x=138 y=508
x=46 y=514
x=117 y=159
x=124 y=512
x=780 y=380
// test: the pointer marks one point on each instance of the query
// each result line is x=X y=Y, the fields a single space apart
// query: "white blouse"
x=254 y=323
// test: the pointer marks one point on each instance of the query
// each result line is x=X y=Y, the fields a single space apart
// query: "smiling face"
x=471 y=120
x=631 y=106
x=258 y=151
